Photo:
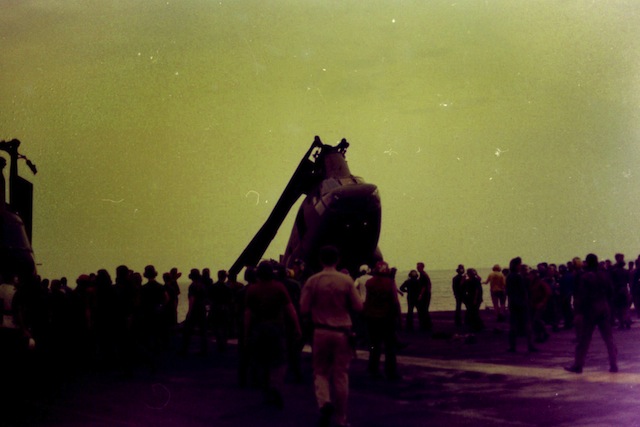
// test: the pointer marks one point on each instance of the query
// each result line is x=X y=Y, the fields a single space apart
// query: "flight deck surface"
x=448 y=379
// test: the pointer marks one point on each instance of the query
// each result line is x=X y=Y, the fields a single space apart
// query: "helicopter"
x=17 y=259
x=340 y=210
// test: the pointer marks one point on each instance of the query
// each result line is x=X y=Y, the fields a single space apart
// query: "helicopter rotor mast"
x=301 y=181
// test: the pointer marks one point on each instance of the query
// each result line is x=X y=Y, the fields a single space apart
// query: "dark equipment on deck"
x=340 y=210
x=16 y=217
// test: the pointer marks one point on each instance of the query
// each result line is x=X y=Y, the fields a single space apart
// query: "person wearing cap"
x=153 y=296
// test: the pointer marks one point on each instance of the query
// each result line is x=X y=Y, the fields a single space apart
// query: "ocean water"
x=441 y=295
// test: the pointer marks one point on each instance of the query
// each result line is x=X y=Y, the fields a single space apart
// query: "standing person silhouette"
x=457 y=286
x=591 y=304
x=197 y=314
x=424 y=300
x=473 y=300
x=267 y=309
x=382 y=312
x=519 y=305
x=621 y=299
x=635 y=287
x=153 y=299
x=411 y=287
x=328 y=299
x=173 y=290
x=221 y=298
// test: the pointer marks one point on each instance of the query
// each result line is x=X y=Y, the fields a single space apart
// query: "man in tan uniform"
x=328 y=298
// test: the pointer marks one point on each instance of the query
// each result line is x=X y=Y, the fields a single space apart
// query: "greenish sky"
x=164 y=131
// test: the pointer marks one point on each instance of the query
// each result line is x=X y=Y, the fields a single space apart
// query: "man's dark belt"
x=343 y=329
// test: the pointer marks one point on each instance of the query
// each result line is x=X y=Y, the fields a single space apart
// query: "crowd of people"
x=576 y=295
x=129 y=321
x=100 y=322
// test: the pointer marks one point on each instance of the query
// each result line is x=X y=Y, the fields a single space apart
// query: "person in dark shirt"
x=457 y=286
x=519 y=306
x=105 y=318
x=124 y=325
x=635 y=287
x=539 y=296
x=197 y=314
x=473 y=300
x=236 y=287
x=153 y=294
x=621 y=298
x=173 y=291
x=294 y=345
x=243 y=351
x=424 y=300
x=565 y=287
x=221 y=297
x=412 y=288
x=153 y=302
x=267 y=308
x=207 y=283
x=591 y=305
x=382 y=312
